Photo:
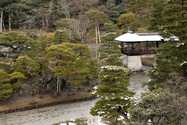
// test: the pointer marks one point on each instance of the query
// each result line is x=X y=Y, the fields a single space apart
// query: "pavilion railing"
x=134 y=51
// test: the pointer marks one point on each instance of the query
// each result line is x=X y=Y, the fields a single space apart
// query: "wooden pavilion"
x=132 y=43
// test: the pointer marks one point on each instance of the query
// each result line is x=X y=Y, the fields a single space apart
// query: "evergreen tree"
x=43 y=65
x=161 y=107
x=112 y=11
x=26 y=66
x=5 y=86
x=156 y=15
x=115 y=98
x=175 y=16
x=171 y=55
x=72 y=62
x=60 y=36
x=8 y=82
x=140 y=8
x=17 y=45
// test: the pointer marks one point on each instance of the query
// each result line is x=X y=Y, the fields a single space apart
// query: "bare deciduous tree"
x=78 y=26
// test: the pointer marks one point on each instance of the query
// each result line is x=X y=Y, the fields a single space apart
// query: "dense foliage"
x=115 y=98
x=8 y=83
x=171 y=55
x=161 y=107
x=72 y=62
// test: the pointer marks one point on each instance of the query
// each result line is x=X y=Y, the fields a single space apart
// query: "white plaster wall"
x=134 y=63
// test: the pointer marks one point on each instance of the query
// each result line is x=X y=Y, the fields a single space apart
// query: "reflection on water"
x=85 y=121
x=81 y=121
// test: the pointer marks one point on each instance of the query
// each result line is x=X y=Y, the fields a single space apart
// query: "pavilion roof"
x=142 y=37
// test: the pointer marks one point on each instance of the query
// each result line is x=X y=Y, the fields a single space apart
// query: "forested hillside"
x=43 y=50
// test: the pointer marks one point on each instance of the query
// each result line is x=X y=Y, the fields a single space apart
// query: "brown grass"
x=148 y=60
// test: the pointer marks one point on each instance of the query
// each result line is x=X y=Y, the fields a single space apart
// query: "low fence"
x=46 y=105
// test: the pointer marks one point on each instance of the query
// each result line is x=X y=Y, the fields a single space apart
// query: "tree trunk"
x=1 y=20
x=4 y=26
x=58 y=84
x=96 y=33
x=47 y=25
x=82 y=40
x=99 y=34
x=9 y=19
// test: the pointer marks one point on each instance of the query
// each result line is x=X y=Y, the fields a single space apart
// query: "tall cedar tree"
x=115 y=98
x=112 y=11
x=156 y=15
x=172 y=54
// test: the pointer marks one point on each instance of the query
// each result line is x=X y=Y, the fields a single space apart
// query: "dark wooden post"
x=146 y=47
x=122 y=49
x=157 y=44
x=152 y=46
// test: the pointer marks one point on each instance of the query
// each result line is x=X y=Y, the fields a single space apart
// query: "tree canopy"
x=128 y=22
x=72 y=62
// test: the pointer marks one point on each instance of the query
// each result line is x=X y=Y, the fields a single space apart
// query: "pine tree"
x=18 y=44
x=8 y=82
x=72 y=62
x=26 y=66
x=60 y=37
x=115 y=98
x=5 y=86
